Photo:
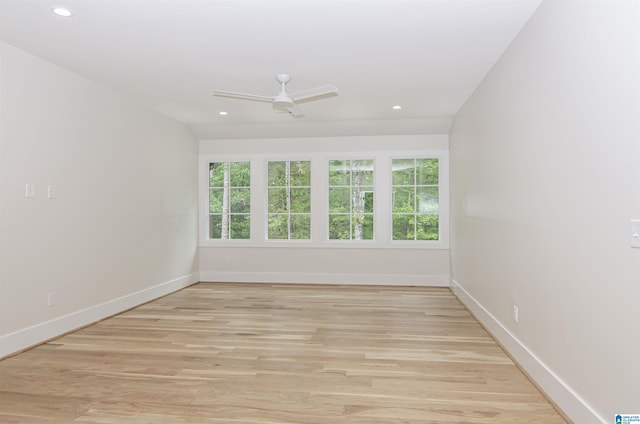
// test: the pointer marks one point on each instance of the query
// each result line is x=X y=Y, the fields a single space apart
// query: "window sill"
x=337 y=244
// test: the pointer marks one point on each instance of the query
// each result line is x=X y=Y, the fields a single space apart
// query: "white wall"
x=123 y=228
x=302 y=128
x=545 y=163
x=326 y=264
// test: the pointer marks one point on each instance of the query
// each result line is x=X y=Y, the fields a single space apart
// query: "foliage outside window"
x=351 y=200
x=289 y=199
x=229 y=200
x=415 y=210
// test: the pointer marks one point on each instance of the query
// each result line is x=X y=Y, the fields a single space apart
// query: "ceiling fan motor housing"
x=282 y=102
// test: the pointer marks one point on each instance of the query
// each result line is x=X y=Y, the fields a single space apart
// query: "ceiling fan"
x=284 y=102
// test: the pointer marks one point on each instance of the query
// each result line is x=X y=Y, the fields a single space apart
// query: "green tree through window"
x=415 y=209
x=289 y=198
x=229 y=200
x=351 y=199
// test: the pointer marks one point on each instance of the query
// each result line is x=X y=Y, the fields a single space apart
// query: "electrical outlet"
x=51 y=299
x=516 y=312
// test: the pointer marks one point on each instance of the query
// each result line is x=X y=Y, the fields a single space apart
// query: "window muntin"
x=415 y=199
x=289 y=200
x=229 y=200
x=351 y=195
x=319 y=180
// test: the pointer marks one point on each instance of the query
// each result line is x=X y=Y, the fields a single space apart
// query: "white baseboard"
x=317 y=278
x=565 y=398
x=31 y=336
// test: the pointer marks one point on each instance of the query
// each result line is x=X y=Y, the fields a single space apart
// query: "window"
x=289 y=199
x=415 y=199
x=229 y=200
x=346 y=198
x=351 y=200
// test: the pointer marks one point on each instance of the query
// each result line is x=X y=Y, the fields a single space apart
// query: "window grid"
x=289 y=198
x=418 y=218
x=229 y=201
x=317 y=226
x=351 y=191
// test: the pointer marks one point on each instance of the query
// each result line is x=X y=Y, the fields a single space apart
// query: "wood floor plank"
x=269 y=353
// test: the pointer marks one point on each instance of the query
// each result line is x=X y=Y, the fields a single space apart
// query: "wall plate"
x=635 y=233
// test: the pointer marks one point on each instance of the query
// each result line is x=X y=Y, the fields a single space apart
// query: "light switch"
x=30 y=190
x=635 y=233
x=51 y=192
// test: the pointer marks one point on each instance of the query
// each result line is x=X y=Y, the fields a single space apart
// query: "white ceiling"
x=426 y=55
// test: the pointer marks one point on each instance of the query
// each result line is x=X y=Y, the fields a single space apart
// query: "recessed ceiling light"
x=223 y=113
x=61 y=11
x=397 y=107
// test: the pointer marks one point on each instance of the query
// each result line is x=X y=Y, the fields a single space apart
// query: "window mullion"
x=319 y=200
x=253 y=222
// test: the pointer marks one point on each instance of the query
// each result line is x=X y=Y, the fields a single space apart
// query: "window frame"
x=382 y=237
x=231 y=212
x=415 y=186
x=351 y=158
x=266 y=187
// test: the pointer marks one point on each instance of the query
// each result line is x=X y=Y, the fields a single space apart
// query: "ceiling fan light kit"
x=284 y=102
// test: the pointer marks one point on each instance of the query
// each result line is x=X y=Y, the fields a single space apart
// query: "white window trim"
x=265 y=205
x=208 y=188
x=351 y=157
x=440 y=182
x=319 y=200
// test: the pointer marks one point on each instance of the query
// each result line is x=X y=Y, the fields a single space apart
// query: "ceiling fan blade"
x=242 y=96
x=312 y=94
x=296 y=112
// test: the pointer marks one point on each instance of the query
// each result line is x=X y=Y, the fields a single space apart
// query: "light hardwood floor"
x=258 y=354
